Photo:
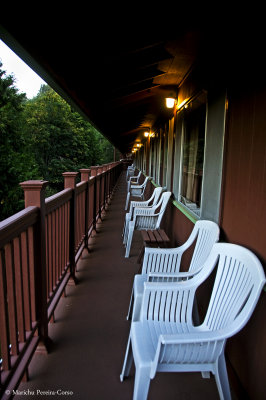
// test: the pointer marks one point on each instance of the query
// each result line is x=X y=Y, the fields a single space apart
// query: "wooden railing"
x=39 y=250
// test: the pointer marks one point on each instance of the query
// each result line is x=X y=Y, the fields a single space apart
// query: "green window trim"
x=185 y=211
x=154 y=183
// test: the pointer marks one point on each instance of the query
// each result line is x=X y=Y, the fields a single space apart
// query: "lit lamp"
x=146 y=134
x=170 y=102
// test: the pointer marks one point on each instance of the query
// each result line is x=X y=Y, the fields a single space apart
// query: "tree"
x=16 y=161
x=40 y=139
x=61 y=139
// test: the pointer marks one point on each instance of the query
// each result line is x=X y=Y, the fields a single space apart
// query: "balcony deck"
x=90 y=331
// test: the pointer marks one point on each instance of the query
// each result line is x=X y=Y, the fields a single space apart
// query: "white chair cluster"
x=134 y=188
x=166 y=334
x=143 y=214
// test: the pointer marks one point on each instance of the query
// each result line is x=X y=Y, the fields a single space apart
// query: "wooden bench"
x=153 y=238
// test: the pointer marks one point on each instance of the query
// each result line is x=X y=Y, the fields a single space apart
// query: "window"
x=189 y=159
x=198 y=156
x=193 y=156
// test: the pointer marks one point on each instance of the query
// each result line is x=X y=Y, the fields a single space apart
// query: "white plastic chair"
x=164 y=264
x=147 y=218
x=134 y=179
x=140 y=204
x=165 y=339
x=130 y=171
x=136 y=190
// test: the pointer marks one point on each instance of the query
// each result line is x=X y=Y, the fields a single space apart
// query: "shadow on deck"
x=90 y=331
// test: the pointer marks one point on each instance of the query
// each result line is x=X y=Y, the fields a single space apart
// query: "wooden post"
x=70 y=183
x=94 y=170
x=85 y=176
x=104 y=186
x=34 y=195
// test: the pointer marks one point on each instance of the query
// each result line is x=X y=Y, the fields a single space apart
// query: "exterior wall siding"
x=243 y=221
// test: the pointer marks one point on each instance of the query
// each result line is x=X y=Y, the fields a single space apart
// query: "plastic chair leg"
x=127 y=201
x=127 y=361
x=131 y=302
x=129 y=240
x=221 y=378
x=125 y=230
x=125 y=233
x=142 y=383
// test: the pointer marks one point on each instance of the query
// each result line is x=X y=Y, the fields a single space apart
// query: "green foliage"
x=40 y=139
x=16 y=162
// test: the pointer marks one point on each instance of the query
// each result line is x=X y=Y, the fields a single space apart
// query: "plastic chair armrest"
x=177 y=250
x=144 y=211
x=193 y=337
x=175 y=276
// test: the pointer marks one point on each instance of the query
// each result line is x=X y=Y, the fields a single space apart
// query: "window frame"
x=216 y=107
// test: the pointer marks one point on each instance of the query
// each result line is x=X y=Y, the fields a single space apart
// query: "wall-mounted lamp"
x=170 y=102
x=146 y=134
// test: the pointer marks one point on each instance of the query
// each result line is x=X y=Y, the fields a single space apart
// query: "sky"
x=26 y=80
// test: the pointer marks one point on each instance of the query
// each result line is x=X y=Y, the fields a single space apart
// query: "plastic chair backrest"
x=207 y=233
x=151 y=217
x=236 y=290
x=156 y=195
x=136 y=176
x=237 y=287
x=151 y=201
x=164 y=201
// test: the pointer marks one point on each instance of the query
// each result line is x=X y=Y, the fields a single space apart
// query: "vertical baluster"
x=47 y=256
x=4 y=330
x=19 y=290
x=63 y=221
x=60 y=242
x=30 y=246
x=26 y=281
x=67 y=231
x=11 y=293
x=53 y=243
x=78 y=227
x=57 y=272
x=50 y=260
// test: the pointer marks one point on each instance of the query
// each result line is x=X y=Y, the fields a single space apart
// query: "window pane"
x=193 y=157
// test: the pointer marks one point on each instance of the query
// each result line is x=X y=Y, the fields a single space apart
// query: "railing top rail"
x=81 y=186
x=57 y=200
x=17 y=223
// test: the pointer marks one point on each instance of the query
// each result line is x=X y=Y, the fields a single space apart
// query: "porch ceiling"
x=116 y=76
